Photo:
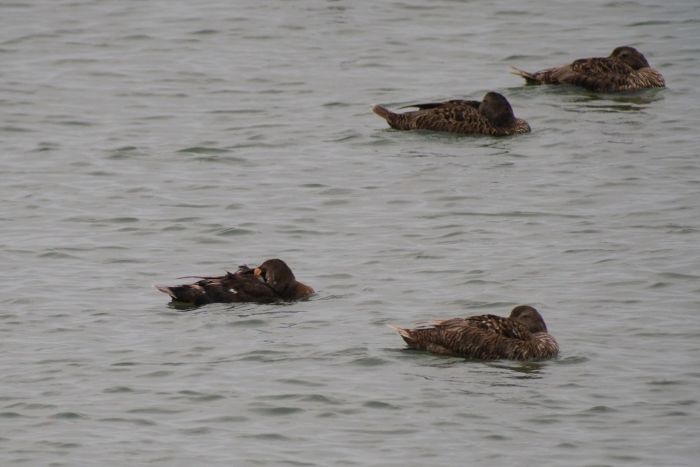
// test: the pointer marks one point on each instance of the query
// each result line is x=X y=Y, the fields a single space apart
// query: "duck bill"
x=257 y=272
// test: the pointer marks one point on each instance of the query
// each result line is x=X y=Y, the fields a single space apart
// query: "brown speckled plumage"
x=272 y=281
x=522 y=336
x=492 y=116
x=626 y=69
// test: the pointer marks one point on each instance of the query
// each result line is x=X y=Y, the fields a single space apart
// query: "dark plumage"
x=625 y=69
x=272 y=281
x=522 y=336
x=492 y=116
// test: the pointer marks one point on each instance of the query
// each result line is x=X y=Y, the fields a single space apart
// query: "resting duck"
x=522 y=336
x=492 y=116
x=272 y=281
x=625 y=69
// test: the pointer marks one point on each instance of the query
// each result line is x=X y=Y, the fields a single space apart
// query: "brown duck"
x=492 y=116
x=625 y=69
x=272 y=281
x=522 y=336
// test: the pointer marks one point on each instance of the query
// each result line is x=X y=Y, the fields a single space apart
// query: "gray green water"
x=145 y=140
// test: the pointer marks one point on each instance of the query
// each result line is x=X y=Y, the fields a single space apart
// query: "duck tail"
x=530 y=78
x=383 y=112
x=184 y=293
x=404 y=333
x=166 y=290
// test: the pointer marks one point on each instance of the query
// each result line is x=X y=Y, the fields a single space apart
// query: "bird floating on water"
x=272 y=281
x=521 y=336
x=492 y=116
x=626 y=69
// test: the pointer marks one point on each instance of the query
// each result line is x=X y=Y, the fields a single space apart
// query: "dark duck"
x=492 y=116
x=626 y=69
x=521 y=336
x=272 y=281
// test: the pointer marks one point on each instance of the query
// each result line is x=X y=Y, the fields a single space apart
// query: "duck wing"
x=484 y=337
x=597 y=74
x=453 y=116
x=241 y=286
x=499 y=325
x=456 y=116
x=450 y=103
x=600 y=66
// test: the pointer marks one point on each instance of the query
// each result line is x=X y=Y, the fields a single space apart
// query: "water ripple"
x=142 y=143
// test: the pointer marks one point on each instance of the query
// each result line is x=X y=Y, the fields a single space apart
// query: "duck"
x=626 y=69
x=492 y=116
x=521 y=336
x=271 y=281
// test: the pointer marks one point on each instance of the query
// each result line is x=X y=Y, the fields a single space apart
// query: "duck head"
x=530 y=317
x=276 y=274
x=630 y=56
x=496 y=108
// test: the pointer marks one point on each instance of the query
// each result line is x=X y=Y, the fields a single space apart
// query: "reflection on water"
x=622 y=102
x=522 y=370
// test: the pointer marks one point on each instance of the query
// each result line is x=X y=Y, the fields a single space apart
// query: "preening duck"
x=272 y=281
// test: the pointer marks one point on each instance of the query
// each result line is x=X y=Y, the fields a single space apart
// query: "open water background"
x=145 y=140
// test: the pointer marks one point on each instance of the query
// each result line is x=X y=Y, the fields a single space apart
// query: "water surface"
x=142 y=141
